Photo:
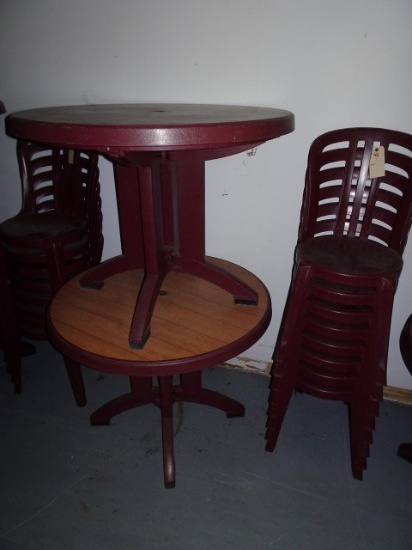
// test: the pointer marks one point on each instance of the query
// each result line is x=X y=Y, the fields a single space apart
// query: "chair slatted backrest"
x=342 y=199
x=55 y=179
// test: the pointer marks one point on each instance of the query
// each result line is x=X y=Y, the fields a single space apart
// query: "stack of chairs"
x=405 y=344
x=56 y=235
x=355 y=218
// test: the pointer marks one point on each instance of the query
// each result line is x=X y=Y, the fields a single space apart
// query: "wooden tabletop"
x=195 y=324
x=149 y=127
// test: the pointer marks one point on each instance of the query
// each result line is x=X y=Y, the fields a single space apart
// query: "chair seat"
x=349 y=256
x=46 y=224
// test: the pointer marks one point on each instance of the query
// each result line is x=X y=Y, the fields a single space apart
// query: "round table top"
x=149 y=127
x=195 y=324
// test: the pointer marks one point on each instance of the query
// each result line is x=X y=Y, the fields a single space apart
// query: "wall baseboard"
x=250 y=365
x=390 y=393
x=398 y=395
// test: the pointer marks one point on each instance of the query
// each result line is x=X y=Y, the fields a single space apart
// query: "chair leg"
x=405 y=451
x=282 y=386
x=10 y=336
x=362 y=414
x=14 y=349
x=10 y=332
x=358 y=452
x=76 y=381
x=12 y=359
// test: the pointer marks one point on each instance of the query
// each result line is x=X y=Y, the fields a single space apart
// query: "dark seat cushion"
x=349 y=255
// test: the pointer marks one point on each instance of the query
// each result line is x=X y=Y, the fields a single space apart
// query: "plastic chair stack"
x=56 y=235
x=405 y=344
x=334 y=337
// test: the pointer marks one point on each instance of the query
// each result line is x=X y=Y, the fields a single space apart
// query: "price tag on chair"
x=377 y=162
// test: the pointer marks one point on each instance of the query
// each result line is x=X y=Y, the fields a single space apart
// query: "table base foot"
x=191 y=390
x=141 y=343
x=246 y=302
x=92 y=285
x=164 y=396
x=232 y=408
x=242 y=293
x=141 y=394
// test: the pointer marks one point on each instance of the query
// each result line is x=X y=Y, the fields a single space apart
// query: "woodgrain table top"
x=195 y=324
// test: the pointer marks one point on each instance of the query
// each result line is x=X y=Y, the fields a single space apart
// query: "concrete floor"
x=65 y=485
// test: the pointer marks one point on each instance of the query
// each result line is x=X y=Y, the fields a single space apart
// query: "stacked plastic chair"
x=56 y=235
x=334 y=337
x=405 y=344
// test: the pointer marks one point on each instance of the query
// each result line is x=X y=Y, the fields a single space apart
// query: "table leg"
x=142 y=393
x=161 y=204
x=241 y=292
x=190 y=212
x=139 y=190
x=155 y=254
x=128 y=202
x=191 y=390
x=166 y=406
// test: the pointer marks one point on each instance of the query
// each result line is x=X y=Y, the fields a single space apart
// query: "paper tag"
x=377 y=162
x=71 y=156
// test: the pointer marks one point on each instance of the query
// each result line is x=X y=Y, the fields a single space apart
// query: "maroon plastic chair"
x=405 y=343
x=333 y=340
x=56 y=235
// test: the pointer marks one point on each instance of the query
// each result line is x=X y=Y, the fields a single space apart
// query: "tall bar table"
x=123 y=316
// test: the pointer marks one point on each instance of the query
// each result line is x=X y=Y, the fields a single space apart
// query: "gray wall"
x=332 y=63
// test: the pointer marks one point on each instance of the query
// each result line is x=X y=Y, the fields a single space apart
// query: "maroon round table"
x=159 y=153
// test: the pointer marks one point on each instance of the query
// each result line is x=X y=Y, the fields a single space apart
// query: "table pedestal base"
x=143 y=392
x=195 y=326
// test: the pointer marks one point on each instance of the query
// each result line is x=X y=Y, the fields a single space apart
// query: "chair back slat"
x=341 y=198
